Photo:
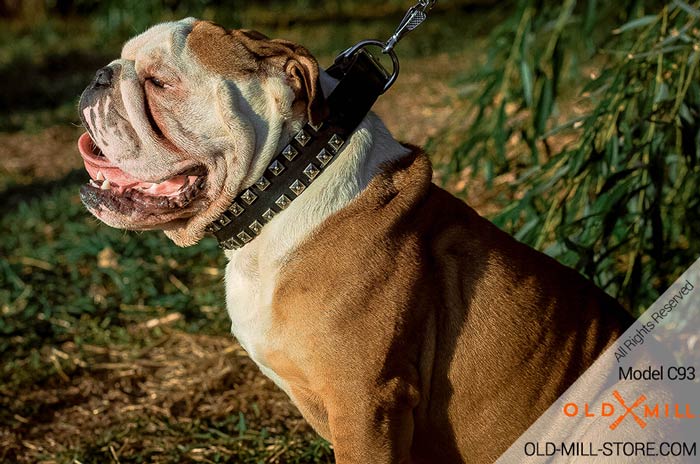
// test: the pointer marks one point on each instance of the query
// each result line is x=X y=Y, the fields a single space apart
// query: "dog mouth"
x=116 y=190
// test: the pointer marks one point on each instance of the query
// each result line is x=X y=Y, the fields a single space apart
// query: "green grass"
x=51 y=243
x=67 y=280
x=228 y=440
x=65 y=276
x=76 y=294
x=45 y=65
x=52 y=269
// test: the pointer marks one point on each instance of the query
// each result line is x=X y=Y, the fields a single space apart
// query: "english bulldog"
x=404 y=326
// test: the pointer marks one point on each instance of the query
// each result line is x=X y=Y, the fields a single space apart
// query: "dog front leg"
x=373 y=426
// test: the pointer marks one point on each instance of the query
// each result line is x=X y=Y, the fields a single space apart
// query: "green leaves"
x=527 y=78
x=636 y=23
x=690 y=10
x=616 y=193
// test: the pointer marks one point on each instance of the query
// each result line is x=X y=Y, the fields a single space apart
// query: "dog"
x=405 y=327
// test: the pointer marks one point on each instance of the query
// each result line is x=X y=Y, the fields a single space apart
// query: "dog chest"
x=248 y=302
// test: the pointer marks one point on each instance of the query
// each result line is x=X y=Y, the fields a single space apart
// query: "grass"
x=50 y=63
x=115 y=346
x=82 y=309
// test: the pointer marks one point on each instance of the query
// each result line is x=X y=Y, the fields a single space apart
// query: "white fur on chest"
x=249 y=305
x=251 y=274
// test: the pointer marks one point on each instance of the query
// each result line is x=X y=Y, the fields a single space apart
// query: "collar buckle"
x=311 y=151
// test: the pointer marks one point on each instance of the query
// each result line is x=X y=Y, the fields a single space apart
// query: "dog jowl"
x=182 y=121
x=405 y=327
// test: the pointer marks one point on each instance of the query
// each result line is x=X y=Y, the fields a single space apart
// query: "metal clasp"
x=350 y=52
x=414 y=17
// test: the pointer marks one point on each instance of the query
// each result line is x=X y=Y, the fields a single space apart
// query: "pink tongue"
x=168 y=186
x=96 y=165
x=111 y=173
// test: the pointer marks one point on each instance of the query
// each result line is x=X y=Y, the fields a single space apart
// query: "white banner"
x=639 y=402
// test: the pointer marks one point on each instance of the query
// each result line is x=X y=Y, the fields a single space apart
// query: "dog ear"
x=240 y=53
x=303 y=75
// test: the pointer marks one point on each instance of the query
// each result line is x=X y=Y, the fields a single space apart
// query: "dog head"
x=190 y=115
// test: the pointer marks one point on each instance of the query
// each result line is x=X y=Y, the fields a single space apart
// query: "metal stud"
x=297 y=187
x=249 y=197
x=276 y=168
x=268 y=215
x=336 y=142
x=290 y=152
x=224 y=220
x=283 y=202
x=316 y=127
x=244 y=237
x=230 y=244
x=256 y=227
x=213 y=227
x=311 y=171
x=236 y=209
x=302 y=137
x=324 y=157
x=262 y=183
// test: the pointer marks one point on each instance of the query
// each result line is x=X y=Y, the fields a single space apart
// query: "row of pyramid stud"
x=297 y=187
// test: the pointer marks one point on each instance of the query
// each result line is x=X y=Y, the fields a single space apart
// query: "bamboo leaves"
x=615 y=192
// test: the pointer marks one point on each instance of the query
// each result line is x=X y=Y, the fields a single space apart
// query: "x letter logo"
x=628 y=410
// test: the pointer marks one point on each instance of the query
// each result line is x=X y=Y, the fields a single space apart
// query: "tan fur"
x=408 y=326
x=404 y=326
x=232 y=97
x=236 y=54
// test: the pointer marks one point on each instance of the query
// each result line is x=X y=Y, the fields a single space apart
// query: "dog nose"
x=103 y=78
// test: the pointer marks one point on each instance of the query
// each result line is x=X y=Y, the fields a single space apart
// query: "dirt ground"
x=143 y=399
x=184 y=381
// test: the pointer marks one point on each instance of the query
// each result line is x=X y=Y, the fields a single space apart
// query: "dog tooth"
x=106 y=185
x=100 y=176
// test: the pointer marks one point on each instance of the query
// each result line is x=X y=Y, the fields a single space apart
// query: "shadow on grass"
x=15 y=195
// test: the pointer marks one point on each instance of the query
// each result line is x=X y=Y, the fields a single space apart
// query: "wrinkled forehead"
x=163 y=39
x=228 y=53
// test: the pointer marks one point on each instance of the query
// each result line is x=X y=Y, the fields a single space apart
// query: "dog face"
x=188 y=116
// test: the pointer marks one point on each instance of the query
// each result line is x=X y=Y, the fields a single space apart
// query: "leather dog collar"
x=362 y=80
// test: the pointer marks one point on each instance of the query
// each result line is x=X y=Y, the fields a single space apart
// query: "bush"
x=613 y=190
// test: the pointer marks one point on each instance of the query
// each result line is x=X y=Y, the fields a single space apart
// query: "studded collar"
x=308 y=154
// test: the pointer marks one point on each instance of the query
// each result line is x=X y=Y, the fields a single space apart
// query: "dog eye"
x=157 y=82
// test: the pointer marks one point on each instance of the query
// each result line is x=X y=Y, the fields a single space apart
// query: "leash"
x=362 y=80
